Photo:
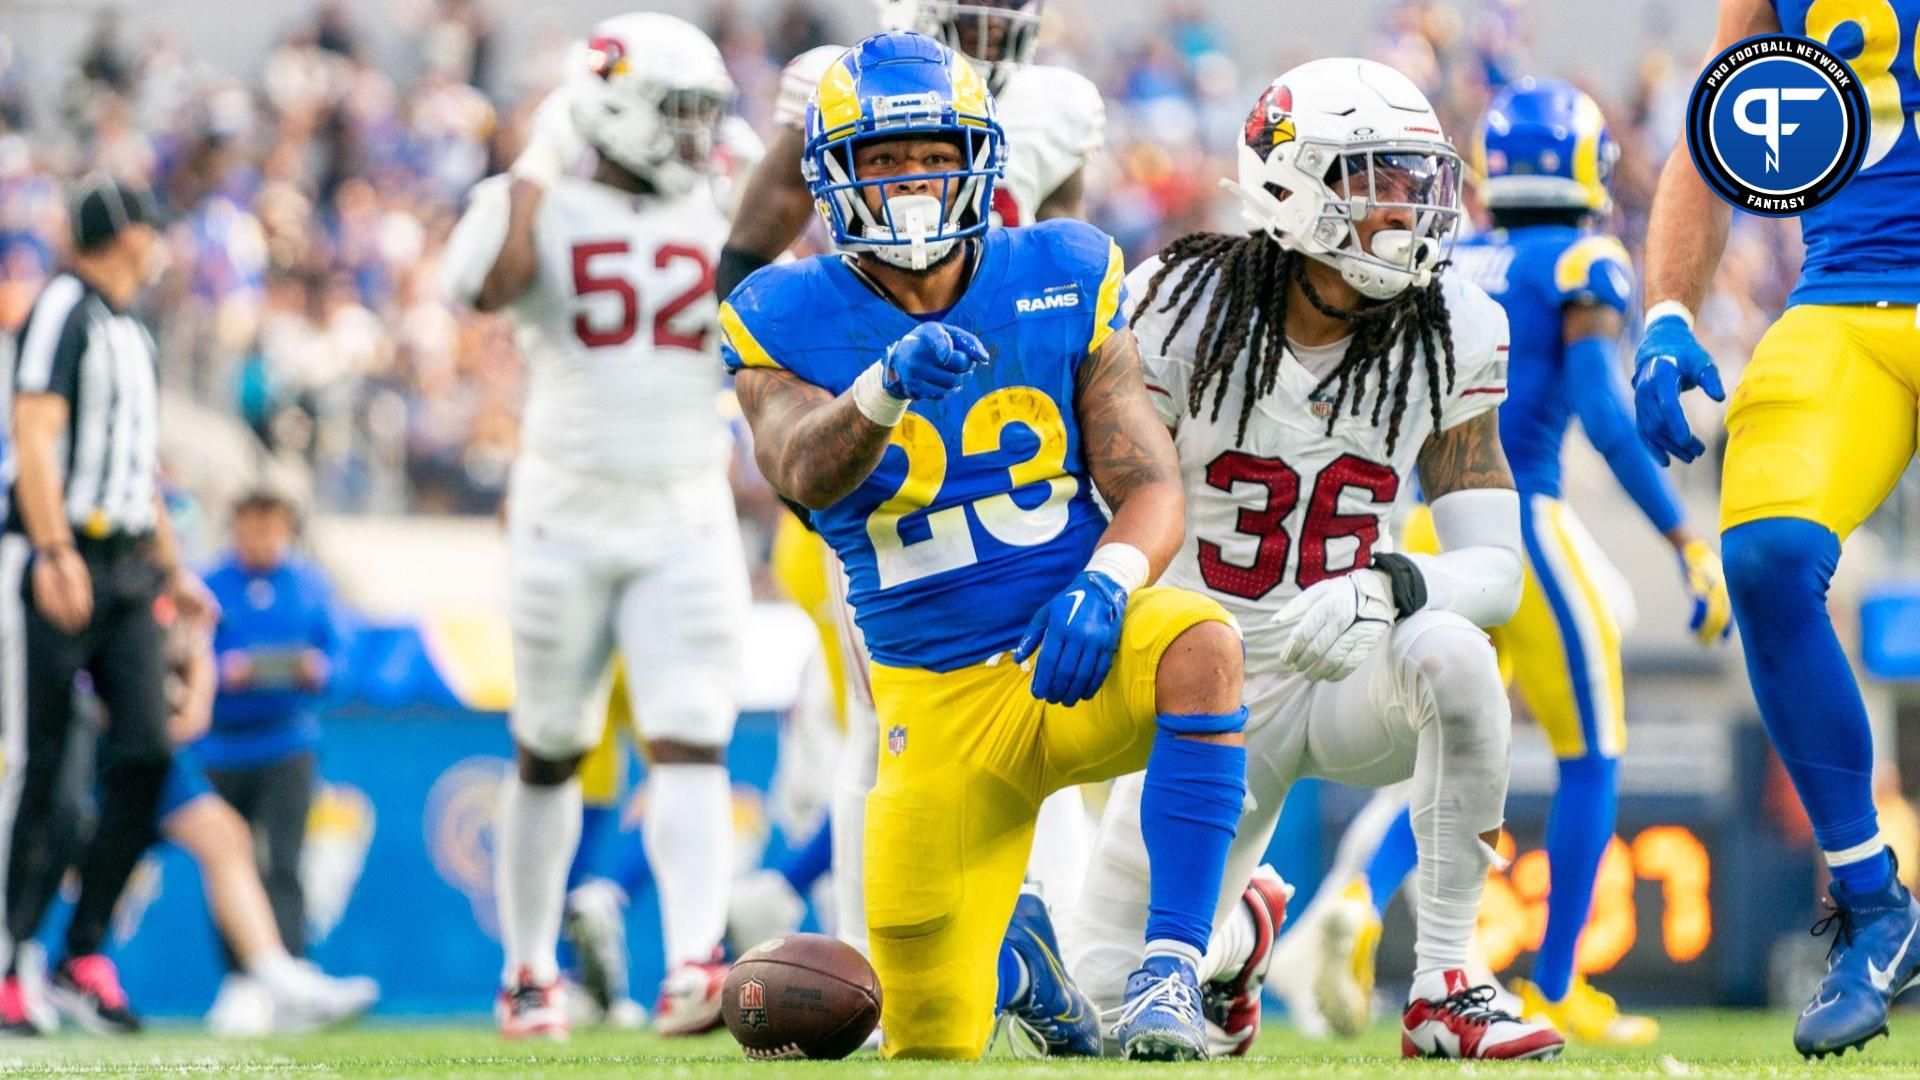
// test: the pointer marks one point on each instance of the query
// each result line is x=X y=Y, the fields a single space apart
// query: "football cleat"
x=1349 y=932
x=689 y=1002
x=1161 y=1019
x=309 y=999
x=13 y=1008
x=1232 y=1006
x=1053 y=1012
x=1874 y=956
x=530 y=1010
x=242 y=1009
x=1586 y=1015
x=596 y=926
x=1466 y=1025
x=87 y=990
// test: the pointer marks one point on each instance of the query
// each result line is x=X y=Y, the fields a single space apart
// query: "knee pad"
x=1776 y=566
x=1460 y=673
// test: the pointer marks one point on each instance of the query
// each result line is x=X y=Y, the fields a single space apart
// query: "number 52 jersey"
x=981 y=509
x=1291 y=505
x=617 y=328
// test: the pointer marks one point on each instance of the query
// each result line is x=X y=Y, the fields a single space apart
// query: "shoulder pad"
x=1594 y=270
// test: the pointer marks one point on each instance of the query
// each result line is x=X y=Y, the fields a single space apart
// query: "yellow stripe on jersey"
x=1575 y=266
x=1109 y=302
x=742 y=340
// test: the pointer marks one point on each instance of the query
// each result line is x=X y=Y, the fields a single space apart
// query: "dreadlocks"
x=1248 y=313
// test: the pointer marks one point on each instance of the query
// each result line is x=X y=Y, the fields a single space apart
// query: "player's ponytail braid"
x=1248 y=313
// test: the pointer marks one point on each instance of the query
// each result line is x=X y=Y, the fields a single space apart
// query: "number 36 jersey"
x=617 y=328
x=1291 y=505
x=981 y=509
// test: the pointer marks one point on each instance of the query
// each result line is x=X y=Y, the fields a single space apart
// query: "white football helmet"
x=997 y=35
x=1334 y=140
x=648 y=91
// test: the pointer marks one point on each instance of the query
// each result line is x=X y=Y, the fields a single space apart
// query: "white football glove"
x=553 y=142
x=1336 y=624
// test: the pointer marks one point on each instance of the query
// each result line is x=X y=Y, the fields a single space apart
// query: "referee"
x=86 y=553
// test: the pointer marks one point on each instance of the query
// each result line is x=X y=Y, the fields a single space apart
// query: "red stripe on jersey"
x=1161 y=391
x=1484 y=390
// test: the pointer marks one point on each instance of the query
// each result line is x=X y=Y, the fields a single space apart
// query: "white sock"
x=277 y=971
x=539 y=832
x=1230 y=947
x=859 y=759
x=689 y=836
x=1170 y=947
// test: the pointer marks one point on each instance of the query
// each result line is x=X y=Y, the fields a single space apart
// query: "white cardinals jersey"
x=1054 y=118
x=617 y=329
x=1292 y=505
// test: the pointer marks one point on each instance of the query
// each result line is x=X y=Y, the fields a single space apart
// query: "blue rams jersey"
x=1861 y=244
x=981 y=510
x=1535 y=272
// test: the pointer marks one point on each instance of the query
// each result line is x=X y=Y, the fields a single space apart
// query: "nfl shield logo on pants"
x=896 y=739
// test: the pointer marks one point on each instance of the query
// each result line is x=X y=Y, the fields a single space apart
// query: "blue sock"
x=805 y=865
x=1012 y=974
x=597 y=823
x=1578 y=829
x=1392 y=861
x=1777 y=571
x=1189 y=808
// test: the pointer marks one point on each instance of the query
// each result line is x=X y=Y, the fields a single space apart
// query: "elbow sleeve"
x=735 y=267
x=1479 y=571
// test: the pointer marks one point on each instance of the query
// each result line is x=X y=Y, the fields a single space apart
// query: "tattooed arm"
x=813 y=447
x=1476 y=512
x=1130 y=454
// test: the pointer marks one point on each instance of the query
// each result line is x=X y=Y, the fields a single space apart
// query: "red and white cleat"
x=689 y=1001
x=530 y=1010
x=1464 y=1023
x=1232 y=1006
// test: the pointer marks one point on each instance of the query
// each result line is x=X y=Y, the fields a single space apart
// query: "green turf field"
x=1695 y=1044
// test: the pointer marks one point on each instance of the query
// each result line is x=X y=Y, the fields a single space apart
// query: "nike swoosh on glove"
x=1669 y=362
x=1336 y=623
x=1076 y=634
x=930 y=362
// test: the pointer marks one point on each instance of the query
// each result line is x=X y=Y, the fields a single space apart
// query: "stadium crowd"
x=308 y=201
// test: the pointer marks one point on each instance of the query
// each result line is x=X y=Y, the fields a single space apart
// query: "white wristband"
x=1669 y=307
x=875 y=401
x=1125 y=564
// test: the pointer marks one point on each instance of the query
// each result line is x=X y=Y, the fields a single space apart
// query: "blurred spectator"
x=280 y=645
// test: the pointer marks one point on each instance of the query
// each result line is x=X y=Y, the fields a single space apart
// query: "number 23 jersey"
x=1292 y=505
x=981 y=509
x=617 y=328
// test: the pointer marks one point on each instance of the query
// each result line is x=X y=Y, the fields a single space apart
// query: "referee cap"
x=102 y=206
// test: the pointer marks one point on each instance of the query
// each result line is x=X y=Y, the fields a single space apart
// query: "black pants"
x=124 y=651
x=275 y=799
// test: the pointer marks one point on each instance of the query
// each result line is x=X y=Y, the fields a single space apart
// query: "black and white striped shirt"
x=103 y=362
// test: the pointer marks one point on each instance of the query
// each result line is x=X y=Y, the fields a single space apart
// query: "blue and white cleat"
x=1875 y=955
x=1161 y=1019
x=1053 y=1012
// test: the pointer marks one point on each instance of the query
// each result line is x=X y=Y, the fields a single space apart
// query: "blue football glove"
x=1670 y=362
x=1076 y=634
x=930 y=362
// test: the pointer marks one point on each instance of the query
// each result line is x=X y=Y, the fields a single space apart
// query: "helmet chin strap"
x=914 y=218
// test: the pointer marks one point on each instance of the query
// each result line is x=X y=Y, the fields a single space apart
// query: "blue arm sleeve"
x=1601 y=403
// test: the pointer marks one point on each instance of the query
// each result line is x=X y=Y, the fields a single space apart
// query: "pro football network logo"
x=1777 y=125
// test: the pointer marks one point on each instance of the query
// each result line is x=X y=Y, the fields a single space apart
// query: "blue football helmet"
x=1544 y=145
x=902 y=85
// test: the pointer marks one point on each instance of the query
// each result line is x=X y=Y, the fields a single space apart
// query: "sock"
x=1231 y=947
x=598 y=824
x=807 y=865
x=1778 y=570
x=689 y=837
x=125 y=831
x=1392 y=861
x=1579 y=827
x=538 y=832
x=1014 y=979
x=1867 y=873
x=1189 y=808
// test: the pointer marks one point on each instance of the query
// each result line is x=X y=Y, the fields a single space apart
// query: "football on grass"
x=801 y=996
